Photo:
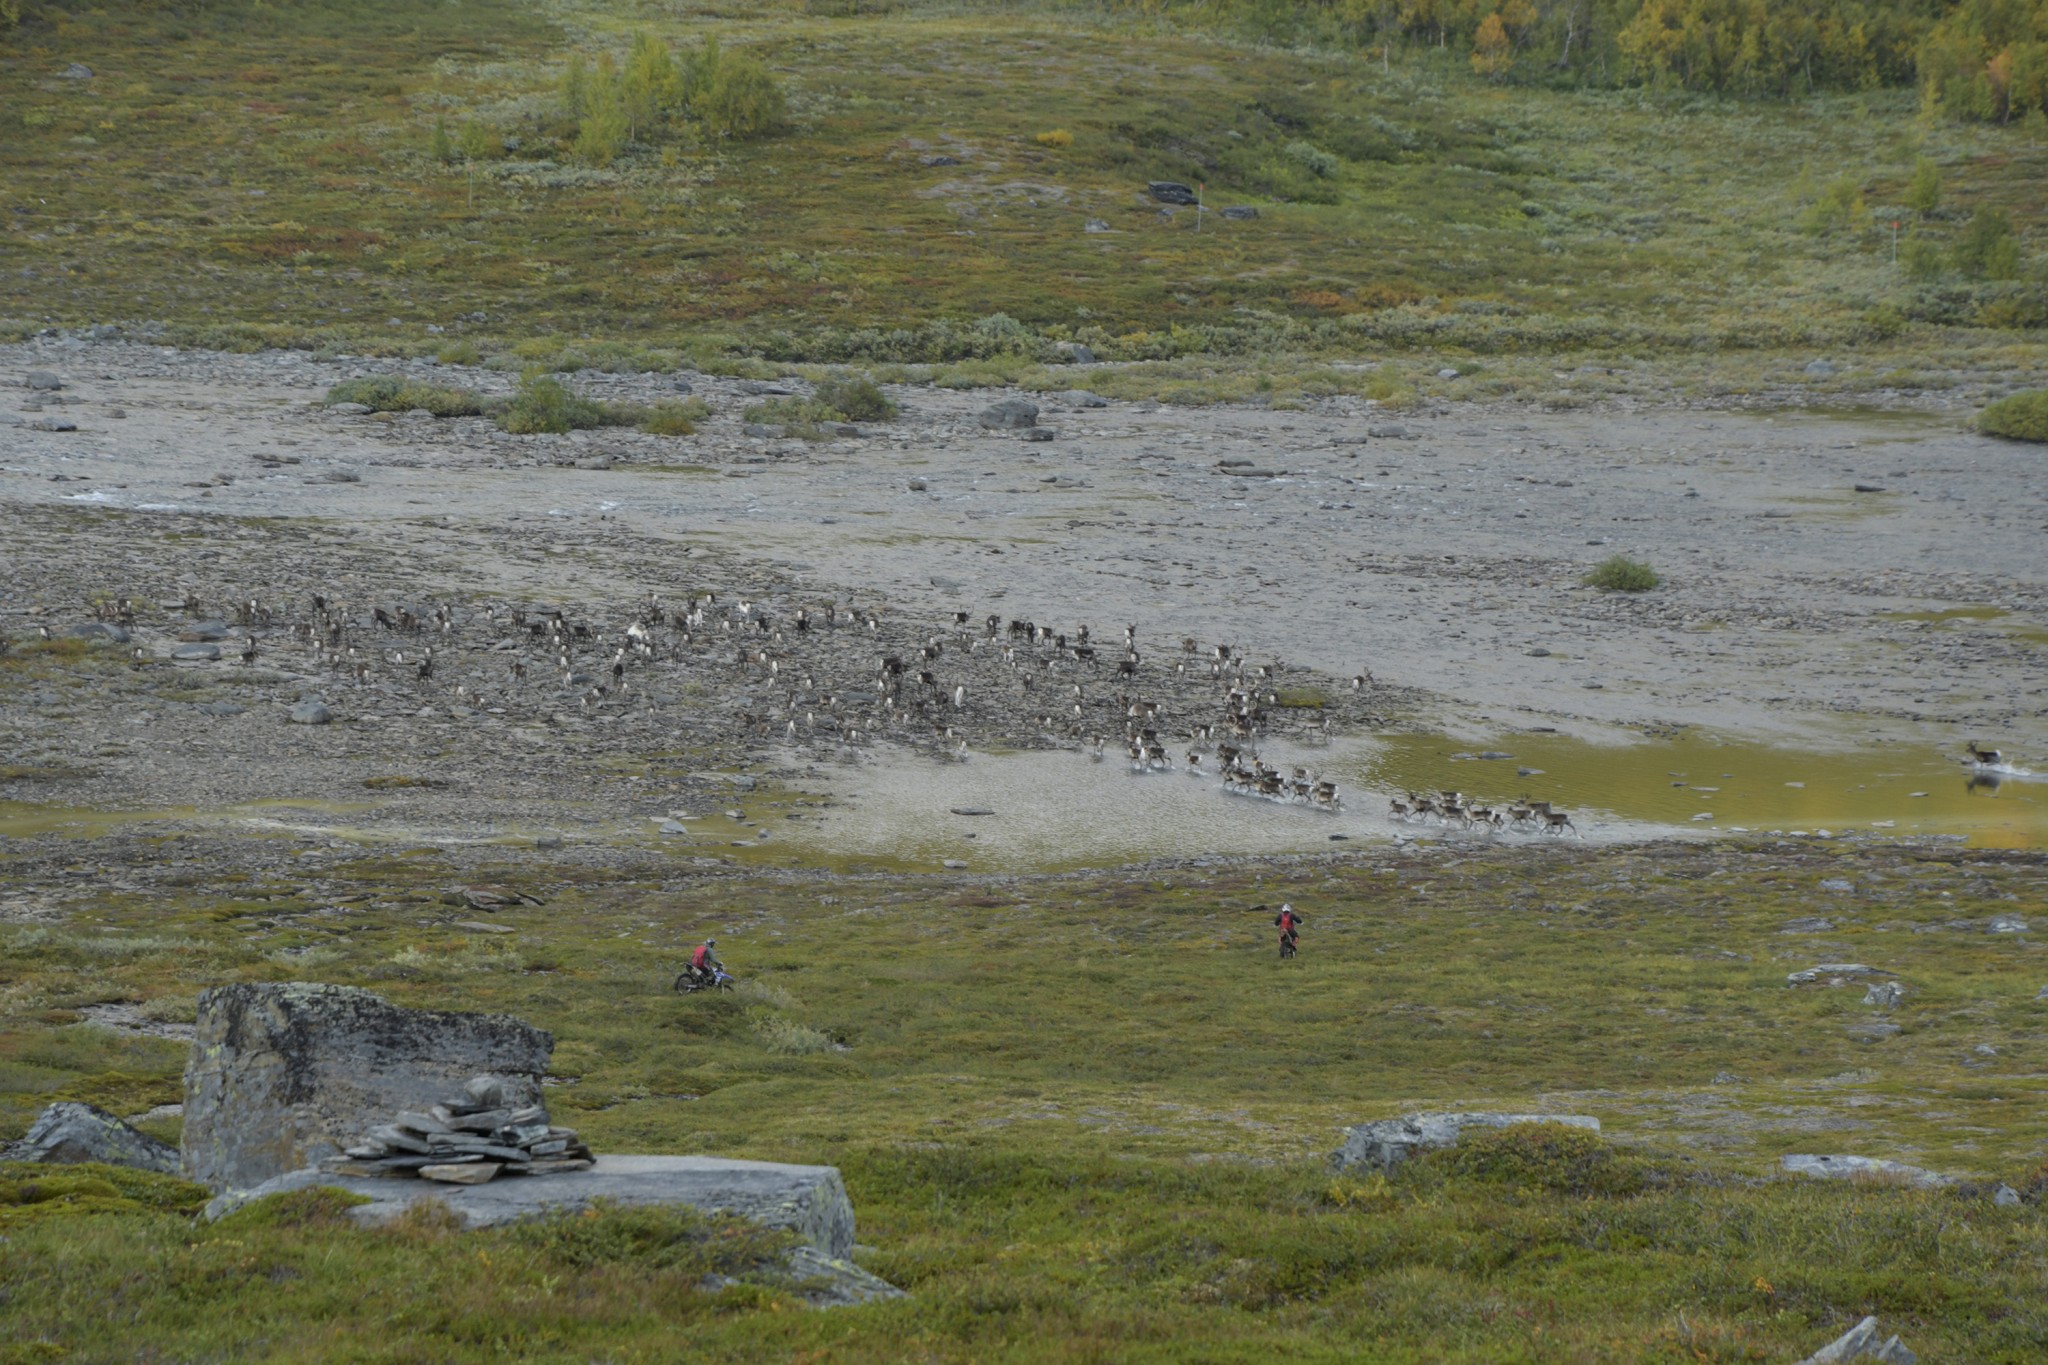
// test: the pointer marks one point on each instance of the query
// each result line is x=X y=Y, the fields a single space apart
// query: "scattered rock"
x=1870 y=488
x=1495 y=755
x=204 y=631
x=1240 y=213
x=1836 y=884
x=220 y=708
x=1386 y=1144
x=1392 y=431
x=1076 y=353
x=918 y=485
x=1010 y=414
x=1095 y=225
x=761 y=432
x=309 y=713
x=682 y=384
x=1809 y=924
x=1864 y=1167
x=1447 y=373
x=102 y=630
x=53 y=424
x=283 y=1075
x=1884 y=994
x=1082 y=398
x=42 y=380
x=1172 y=192
x=2006 y=1197
x=1819 y=369
x=1832 y=974
x=350 y=409
x=939 y=159
x=2007 y=924
x=1537 y=653
x=202 y=654
x=70 y=1132
x=77 y=71
x=1039 y=434
x=335 y=476
x=955 y=865
x=594 y=462
x=1861 y=1343
x=758 y=389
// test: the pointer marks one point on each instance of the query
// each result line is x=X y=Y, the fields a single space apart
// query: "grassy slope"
x=1084 y=1116
x=269 y=169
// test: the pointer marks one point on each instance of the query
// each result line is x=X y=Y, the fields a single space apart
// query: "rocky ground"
x=727 y=601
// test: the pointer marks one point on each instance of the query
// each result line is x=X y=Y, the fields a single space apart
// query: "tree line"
x=1977 y=59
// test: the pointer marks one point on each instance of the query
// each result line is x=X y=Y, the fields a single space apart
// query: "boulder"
x=1082 y=398
x=1075 y=353
x=1864 y=1167
x=1819 y=369
x=101 y=630
x=42 y=381
x=1386 y=1144
x=284 y=1075
x=77 y=71
x=309 y=713
x=809 y=1200
x=68 y=1131
x=1010 y=414
x=1861 y=1343
x=1172 y=192
x=1240 y=213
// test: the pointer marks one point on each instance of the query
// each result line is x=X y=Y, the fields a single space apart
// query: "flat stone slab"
x=809 y=1200
x=1386 y=1144
x=1864 y=1167
x=68 y=1131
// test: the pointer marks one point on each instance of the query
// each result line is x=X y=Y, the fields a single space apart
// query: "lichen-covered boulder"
x=71 y=1132
x=284 y=1075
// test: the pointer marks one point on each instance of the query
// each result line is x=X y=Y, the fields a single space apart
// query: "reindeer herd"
x=1455 y=808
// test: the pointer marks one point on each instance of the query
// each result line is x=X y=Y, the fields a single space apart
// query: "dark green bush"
x=1542 y=1156
x=546 y=404
x=390 y=393
x=1619 y=573
x=674 y=419
x=856 y=398
x=2022 y=417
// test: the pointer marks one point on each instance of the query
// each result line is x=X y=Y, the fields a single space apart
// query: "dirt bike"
x=690 y=982
x=1287 y=945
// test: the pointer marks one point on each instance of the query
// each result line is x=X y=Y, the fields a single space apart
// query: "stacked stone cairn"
x=467 y=1141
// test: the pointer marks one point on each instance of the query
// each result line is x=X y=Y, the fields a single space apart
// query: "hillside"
x=370 y=175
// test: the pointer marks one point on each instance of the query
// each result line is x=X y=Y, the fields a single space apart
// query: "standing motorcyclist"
x=704 y=963
x=1289 y=919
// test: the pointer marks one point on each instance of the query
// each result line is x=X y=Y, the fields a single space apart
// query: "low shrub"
x=1619 y=573
x=31 y=1191
x=856 y=398
x=672 y=1239
x=1542 y=1156
x=1057 y=137
x=674 y=419
x=463 y=352
x=546 y=404
x=2022 y=417
x=391 y=393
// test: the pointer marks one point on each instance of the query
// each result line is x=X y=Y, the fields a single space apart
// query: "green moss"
x=32 y=1192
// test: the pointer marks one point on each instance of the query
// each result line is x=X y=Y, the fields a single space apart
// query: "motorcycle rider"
x=704 y=963
x=1289 y=920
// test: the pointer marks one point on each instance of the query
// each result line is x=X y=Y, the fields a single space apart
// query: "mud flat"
x=1846 y=582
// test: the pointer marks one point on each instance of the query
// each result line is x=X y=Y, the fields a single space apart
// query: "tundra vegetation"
x=914 y=184
x=1088 y=1113
x=1082 y=1116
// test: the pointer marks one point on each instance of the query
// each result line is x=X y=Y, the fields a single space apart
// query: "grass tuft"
x=1619 y=573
